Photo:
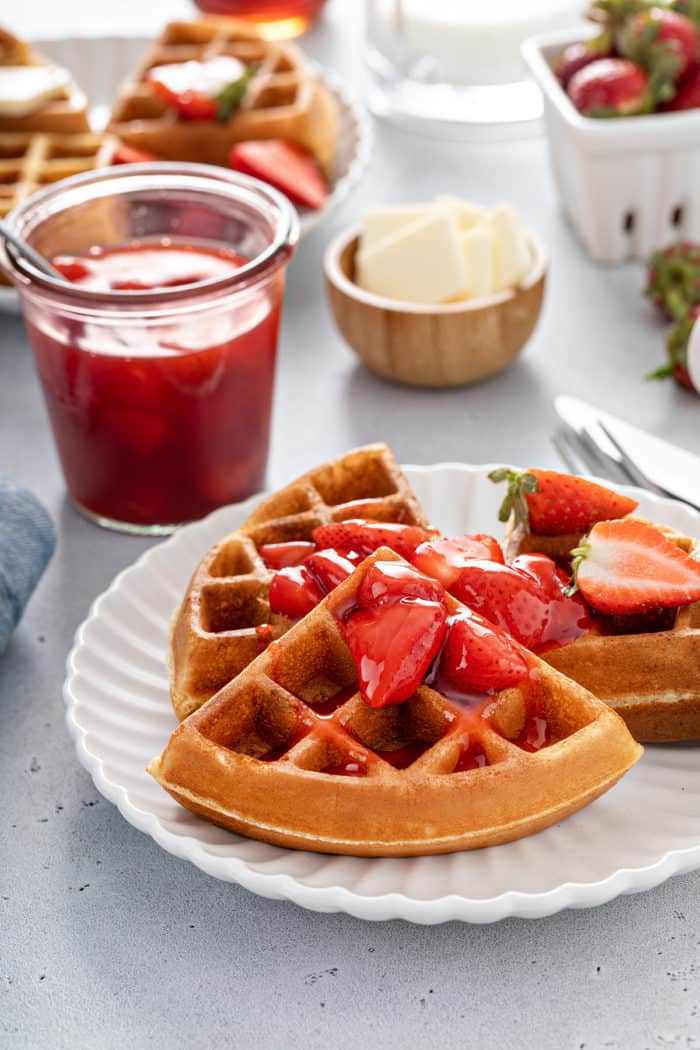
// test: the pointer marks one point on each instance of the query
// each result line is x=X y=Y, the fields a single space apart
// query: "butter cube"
x=477 y=251
x=466 y=214
x=511 y=256
x=422 y=263
x=384 y=222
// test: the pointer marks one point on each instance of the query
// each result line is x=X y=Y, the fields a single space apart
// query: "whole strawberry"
x=611 y=87
x=580 y=54
x=552 y=504
x=664 y=43
x=677 y=352
x=688 y=93
x=673 y=279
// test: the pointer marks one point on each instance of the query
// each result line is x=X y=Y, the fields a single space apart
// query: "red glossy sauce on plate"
x=160 y=426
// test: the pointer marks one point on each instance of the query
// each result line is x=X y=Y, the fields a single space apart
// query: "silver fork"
x=582 y=455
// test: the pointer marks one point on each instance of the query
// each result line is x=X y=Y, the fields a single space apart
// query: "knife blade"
x=669 y=468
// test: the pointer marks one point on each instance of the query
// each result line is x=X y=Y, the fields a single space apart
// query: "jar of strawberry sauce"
x=156 y=355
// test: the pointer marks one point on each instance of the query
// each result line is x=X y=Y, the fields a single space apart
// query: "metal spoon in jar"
x=25 y=251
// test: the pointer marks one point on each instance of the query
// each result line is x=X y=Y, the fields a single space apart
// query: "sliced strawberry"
x=125 y=154
x=387 y=582
x=294 y=592
x=444 y=558
x=567 y=616
x=70 y=267
x=365 y=537
x=626 y=567
x=611 y=87
x=281 y=555
x=553 y=504
x=506 y=598
x=329 y=568
x=478 y=657
x=283 y=165
x=393 y=647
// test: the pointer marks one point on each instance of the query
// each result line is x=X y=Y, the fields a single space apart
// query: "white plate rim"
x=380 y=907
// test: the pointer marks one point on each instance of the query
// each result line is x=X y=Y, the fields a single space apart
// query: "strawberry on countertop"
x=677 y=351
x=673 y=279
x=628 y=567
x=284 y=165
x=552 y=504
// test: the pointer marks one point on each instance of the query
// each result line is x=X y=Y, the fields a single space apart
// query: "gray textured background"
x=106 y=941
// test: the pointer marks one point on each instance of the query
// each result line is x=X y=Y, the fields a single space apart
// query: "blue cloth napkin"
x=27 y=540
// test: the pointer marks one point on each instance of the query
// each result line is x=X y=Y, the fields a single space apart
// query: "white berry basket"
x=628 y=184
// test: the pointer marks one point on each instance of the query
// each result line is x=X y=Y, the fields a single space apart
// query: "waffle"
x=31 y=160
x=225 y=619
x=283 y=101
x=264 y=756
x=61 y=116
x=651 y=678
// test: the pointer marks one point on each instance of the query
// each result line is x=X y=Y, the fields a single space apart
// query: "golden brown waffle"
x=31 y=160
x=283 y=100
x=263 y=756
x=66 y=115
x=650 y=677
x=225 y=619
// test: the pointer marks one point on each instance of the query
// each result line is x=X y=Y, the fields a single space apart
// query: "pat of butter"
x=466 y=214
x=511 y=256
x=477 y=249
x=383 y=222
x=422 y=263
x=24 y=89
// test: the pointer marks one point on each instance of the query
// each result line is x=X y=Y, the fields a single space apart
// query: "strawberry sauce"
x=159 y=424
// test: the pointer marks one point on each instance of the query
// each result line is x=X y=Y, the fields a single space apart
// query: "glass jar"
x=159 y=399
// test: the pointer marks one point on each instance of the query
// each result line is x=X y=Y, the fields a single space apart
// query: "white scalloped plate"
x=633 y=838
x=100 y=64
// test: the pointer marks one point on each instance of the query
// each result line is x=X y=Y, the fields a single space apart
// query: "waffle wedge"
x=289 y=752
x=64 y=115
x=649 y=674
x=225 y=618
x=283 y=101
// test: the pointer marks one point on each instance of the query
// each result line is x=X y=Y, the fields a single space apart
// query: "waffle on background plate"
x=219 y=628
x=648 y=671
x=65 y=115
x=284 y=99
x=269 y=755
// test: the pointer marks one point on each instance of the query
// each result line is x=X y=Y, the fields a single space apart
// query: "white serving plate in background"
x=644 y=830
x=100 y=64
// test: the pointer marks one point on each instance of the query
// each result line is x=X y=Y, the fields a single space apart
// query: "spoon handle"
x=25 y=251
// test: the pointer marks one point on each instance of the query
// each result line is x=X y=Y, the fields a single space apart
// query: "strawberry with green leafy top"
x=673 y=280
x=552 y=504
x=664 y=43
x=627 y=567
x=677 y=351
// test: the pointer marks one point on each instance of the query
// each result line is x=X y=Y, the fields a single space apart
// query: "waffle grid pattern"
x=289 y=752
x=220 y=626
x=283 y=100
x=31 y=160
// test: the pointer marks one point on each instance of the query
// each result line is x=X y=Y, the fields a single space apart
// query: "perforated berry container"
x=627 y=184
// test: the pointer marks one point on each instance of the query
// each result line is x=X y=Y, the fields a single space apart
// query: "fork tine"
x=597 y=461
x=562 y=445
x=636 y=476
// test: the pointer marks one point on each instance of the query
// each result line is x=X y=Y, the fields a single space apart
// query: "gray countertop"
x=105 y=940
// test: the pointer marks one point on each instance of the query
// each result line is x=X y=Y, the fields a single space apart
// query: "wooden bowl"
x=437 y=346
